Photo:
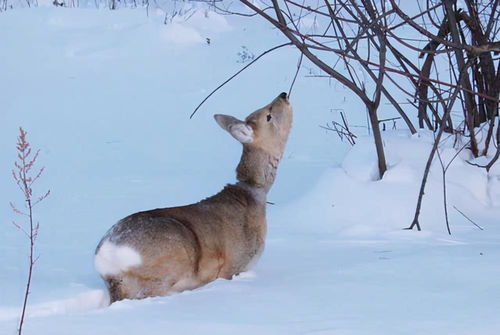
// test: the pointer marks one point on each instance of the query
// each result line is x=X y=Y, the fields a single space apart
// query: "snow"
x=112 y=259
x=494 y=189
x=106 y=96
x=392 y=200
x=83 y=302
x=201 y=25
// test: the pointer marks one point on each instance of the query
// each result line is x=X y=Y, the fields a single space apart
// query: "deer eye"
x=269 y=117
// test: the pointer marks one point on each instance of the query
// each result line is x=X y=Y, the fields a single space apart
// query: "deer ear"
x=237 y=128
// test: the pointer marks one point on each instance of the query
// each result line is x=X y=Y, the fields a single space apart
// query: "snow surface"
x=106 y=96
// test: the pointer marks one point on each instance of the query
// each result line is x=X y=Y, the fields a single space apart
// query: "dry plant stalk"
x=25 y=178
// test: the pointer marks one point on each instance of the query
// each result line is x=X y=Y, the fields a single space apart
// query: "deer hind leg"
x=163 y=276
x=128 y=286
x=120 y=288
x=115 y=290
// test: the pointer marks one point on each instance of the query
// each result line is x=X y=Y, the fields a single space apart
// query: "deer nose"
x=282 y=95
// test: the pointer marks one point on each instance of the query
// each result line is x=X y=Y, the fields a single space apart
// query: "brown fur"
x=186 y=247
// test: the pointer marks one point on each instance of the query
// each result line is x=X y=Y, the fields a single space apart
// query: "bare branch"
x=236 y=74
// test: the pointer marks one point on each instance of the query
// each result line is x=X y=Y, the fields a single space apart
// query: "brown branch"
x=426 y=33
x=322 y=47
x=464 y=79
x=281 y=25
x=415 y=222
x=382 y=53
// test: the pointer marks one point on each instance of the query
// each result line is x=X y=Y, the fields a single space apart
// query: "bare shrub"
x=25 y=176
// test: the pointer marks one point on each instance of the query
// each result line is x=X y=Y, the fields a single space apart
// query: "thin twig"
x=465 y=216
x=237 y=73
x=445 y=193
x=299 y=65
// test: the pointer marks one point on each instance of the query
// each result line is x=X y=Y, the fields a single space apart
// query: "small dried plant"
x=245 y=55
x=24 y=176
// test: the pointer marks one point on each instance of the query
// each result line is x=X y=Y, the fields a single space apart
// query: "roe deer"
x=165 y=250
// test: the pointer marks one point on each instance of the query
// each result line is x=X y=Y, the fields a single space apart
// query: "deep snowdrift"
x=107 y=95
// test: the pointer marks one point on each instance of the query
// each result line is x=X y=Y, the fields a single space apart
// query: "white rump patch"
x=112 y=259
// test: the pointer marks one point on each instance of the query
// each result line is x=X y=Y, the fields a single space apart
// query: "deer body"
x=166 y=250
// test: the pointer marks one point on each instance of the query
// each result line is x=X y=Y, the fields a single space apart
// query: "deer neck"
x=257 y=169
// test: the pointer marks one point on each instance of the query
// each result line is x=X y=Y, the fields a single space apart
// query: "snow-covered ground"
x=106 y=96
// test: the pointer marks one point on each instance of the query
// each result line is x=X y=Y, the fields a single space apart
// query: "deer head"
x=263 y=134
